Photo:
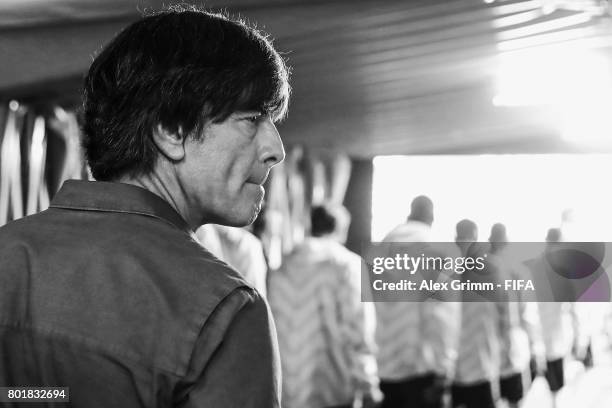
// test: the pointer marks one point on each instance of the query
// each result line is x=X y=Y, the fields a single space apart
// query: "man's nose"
x=271 y=145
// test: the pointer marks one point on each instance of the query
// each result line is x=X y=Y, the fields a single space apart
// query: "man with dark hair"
x=421 y=209
x=331 y=221
x=417 y=341
x=466 y=233
x=107 y=292
x=325 y=332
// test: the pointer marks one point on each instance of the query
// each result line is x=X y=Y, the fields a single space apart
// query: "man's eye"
x=253 y=118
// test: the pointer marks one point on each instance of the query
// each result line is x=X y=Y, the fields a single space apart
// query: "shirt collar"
x=116 y=197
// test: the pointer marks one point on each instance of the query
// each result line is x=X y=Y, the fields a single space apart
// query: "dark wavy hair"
x=466 y=229
x=322 y=221
x=327 y=219
x=179 y=69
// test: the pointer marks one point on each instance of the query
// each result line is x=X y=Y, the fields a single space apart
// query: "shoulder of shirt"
x=411 y=231
x=326 y=247
x=191 y=283
x=320 y=256
x=241 y=297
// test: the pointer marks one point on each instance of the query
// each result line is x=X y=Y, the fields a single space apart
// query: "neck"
x=409 y=219
x=169 y=189
x=464 y=245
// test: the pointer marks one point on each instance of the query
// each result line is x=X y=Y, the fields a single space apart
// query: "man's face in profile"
x=224 y=172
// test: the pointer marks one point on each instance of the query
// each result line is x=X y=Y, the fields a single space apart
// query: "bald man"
x=417 y=341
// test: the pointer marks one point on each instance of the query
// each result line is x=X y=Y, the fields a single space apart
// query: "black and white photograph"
x=306 y=204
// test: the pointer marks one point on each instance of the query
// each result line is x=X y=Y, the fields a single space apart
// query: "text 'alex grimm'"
x=454 y=285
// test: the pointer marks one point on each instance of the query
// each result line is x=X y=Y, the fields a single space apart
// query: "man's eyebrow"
x=249 y=112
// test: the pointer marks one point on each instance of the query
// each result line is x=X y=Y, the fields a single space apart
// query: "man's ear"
x=171 y=144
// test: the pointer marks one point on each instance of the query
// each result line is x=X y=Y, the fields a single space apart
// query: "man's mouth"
x=258 y=183
x=259 y=180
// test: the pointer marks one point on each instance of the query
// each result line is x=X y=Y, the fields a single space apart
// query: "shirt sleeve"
x=241 y=369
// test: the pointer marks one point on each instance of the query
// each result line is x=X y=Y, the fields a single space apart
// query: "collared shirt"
x=325 y=332
x=107 y=293
x=416 y=338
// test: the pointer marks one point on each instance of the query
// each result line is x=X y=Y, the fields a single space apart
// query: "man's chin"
x=245 y=210
x=244 y=217
x=255 y=211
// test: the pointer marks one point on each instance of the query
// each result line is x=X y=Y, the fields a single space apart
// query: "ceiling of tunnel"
x=369 y=77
